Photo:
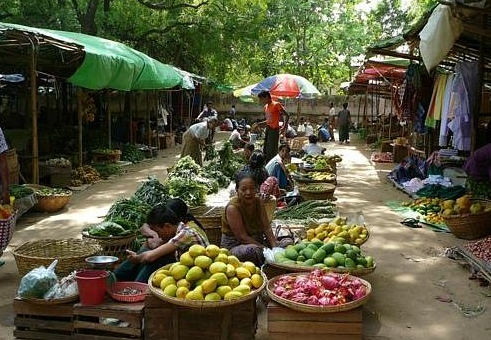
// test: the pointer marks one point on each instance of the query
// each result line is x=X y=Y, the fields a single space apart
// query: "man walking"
x=274 y=112
x=344 y=123
x=332 y=121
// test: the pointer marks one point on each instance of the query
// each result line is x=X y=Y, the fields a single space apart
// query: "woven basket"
x=201 y=303
x=303 y=179
x=211 y=219
x=470 y=226
x=51 y=204
x=112 y=246
x=292 y=268
x=327 y=192
x=71 y=254
x=7 y=227
x=317 y=309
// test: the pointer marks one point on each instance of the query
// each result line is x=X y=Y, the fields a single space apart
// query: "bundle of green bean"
x=315 y=209
x=152 y=192
x=129 y=213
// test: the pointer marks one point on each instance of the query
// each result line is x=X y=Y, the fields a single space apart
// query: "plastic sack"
x=38 y=282
x=65 y=288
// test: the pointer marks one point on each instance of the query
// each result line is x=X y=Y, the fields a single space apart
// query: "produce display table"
x=164 y=320
x=50 y=322
x=285 y=323
x=92 y=322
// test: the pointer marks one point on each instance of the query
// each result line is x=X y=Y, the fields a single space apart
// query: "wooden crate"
x=285 y=323
x=49 y=322
x=89 y=322
x=165 y=321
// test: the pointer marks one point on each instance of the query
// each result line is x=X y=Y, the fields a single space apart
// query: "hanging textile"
x=462 y=104
x=442 y=140
x=436 y=103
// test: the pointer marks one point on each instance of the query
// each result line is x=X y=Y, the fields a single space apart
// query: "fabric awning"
x=110 y=64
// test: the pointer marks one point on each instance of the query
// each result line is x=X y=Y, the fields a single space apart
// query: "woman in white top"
x=313 y=148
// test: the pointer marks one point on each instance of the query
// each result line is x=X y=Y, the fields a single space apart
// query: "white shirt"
x=309 y=130
x=199 y=130
x=312 y=149
x=271 y=164
x=234 y=135
x=3 y=143
x=301 y=128
x=228 y=122
x=332 y=112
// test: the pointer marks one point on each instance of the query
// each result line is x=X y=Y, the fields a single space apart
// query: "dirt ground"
x=411 y=277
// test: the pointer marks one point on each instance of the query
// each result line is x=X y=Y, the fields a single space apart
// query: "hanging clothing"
x=462 y=104
x=436 y=103
x=442 y=140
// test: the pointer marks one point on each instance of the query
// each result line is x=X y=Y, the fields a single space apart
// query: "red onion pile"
x=481 y=249
x=320 y=288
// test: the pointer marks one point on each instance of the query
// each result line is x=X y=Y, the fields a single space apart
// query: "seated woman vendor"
x=174 y=236
x=245 y=227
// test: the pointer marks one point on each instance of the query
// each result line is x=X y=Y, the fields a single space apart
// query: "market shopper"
x=274 y=113
x=344 y=123
x=195 y=137
x=276 y=167
x=175 y=237
x=332 y=121
x=245 y=227
x=248 y=150
x=208 y=112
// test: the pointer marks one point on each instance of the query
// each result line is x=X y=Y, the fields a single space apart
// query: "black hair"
x=249 y=146
x=241 y=175
x=181 y=210
x=257 y=159
x=345 y=105
x=264 y=94
x=313 y=139
x=284 y=146
x=160 y=214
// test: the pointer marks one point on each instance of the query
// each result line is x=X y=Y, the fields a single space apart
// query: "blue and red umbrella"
x=287 y=85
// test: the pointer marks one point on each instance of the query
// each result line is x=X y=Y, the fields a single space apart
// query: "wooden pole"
x=390 y=114
x=359 y=110
x=109 y=136
x=181 y=105
x=34 y=90
x=480 y=83
x=80 y=110
x=149 y=132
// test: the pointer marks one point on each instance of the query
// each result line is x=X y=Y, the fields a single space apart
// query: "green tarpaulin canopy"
x=110 y=64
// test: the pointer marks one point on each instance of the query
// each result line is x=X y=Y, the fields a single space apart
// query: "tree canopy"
x=232 y=41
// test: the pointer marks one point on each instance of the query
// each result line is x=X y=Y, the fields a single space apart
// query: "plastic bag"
x=269 y=253
x=38 y=282
x=66 y=287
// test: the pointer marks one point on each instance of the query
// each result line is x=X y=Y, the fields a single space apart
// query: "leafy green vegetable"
x=152 y=192
x=106 y=170
x=132 y=154
x=108 y=228
x=19 y=191
x=131 y=210
x=191 y=191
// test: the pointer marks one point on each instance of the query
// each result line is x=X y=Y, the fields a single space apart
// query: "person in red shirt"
x=274 y=112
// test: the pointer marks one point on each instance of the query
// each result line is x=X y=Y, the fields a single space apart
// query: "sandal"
x=411 y=223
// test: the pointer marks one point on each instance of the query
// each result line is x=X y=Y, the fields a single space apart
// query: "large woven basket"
x=316 y=309
x=71 y=254
x=326 y=192
x=51 y=204
x=211 y=219
x=304 y=179
x=112 y=246
x=202 y=303
x=470 y=226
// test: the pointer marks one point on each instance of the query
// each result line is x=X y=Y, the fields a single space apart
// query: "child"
x=177 y=237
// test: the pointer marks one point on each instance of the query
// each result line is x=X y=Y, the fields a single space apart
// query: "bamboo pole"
x=109 y=137
x=34 y=114
x=390 y=114
x=80 y=110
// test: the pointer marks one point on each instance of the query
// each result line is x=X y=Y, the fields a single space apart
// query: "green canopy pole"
x=149 y=134
x=35 y=151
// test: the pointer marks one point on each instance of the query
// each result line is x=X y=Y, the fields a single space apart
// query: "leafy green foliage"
x=152 y=192
x=132 y=154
